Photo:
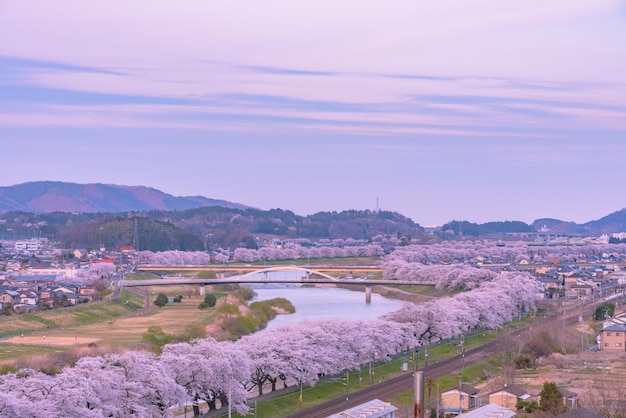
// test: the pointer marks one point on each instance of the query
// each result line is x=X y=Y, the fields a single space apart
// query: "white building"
x=490 y=410
x=31 y=246
x=372 y=409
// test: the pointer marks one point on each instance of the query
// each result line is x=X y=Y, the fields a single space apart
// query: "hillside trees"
x=116 y=231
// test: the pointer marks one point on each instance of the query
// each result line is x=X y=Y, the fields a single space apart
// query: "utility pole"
x=462 y=351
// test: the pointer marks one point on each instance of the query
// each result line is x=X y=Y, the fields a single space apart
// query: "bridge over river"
x=252 y=277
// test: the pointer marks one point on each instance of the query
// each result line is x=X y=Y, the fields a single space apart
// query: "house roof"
x=548 y=280
x=11 y=293
x=568 y=393
x=491 y=410
x=513 y=390
x=614 y=327
x=373 y=408
x=465 y=388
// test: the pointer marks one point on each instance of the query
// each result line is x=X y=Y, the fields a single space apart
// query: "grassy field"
x=71 y=316
x=112 y=323
x=16 y=351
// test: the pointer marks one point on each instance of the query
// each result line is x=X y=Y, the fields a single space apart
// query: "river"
x=324 y=303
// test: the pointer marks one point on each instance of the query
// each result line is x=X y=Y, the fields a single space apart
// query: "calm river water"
x=324 y=303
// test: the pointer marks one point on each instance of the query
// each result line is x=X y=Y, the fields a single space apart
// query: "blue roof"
x=615 y=327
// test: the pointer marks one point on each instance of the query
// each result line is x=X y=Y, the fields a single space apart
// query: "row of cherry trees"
x=458 y=276
x=173 y=258
x=514 y=251
x=448 y=251
x=271 y=254
x=178 y=258
x=142 y=384
x=489 y=304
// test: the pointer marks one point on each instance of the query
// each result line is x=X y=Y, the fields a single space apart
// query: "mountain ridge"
x=57 y=196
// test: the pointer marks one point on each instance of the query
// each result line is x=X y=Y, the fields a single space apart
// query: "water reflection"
x=324 y=303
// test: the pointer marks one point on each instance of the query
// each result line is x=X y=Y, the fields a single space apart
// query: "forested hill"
x=490 y=228
x=200 y=228
x=56 y=196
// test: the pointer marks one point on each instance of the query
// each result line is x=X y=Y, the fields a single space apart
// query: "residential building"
x=508 y=396
x=9 y=297
x=613 y=337
x=80 y=253
x=459 y=399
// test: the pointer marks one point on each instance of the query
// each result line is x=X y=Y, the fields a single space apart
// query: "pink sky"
x=427 y=101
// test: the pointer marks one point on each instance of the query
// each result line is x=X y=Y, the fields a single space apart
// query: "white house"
x=372 y=409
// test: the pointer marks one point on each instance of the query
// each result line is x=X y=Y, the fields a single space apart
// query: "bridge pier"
x=202 y=290
x=368 y=294
x=221 y=275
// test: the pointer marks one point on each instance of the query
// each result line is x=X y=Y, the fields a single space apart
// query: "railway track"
x=450 y=366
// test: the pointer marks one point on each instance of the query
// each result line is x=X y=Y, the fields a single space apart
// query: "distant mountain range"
x=44 y=197
x=97 y=215
x=56 y=196
x=612 y=223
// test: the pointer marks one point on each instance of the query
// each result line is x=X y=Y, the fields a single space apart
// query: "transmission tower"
x=135 y=238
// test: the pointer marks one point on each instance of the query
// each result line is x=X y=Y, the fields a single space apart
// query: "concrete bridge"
x=311 y=277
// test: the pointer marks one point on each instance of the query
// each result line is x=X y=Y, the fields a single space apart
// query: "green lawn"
x=15 y=351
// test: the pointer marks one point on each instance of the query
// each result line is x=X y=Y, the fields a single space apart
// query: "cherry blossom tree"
x=245 y=255
x=120 y=385
x=221 y=258
x=210 y=370
x=266 y=364
x=32 y=391
x=13 y=406
x=95 y=272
